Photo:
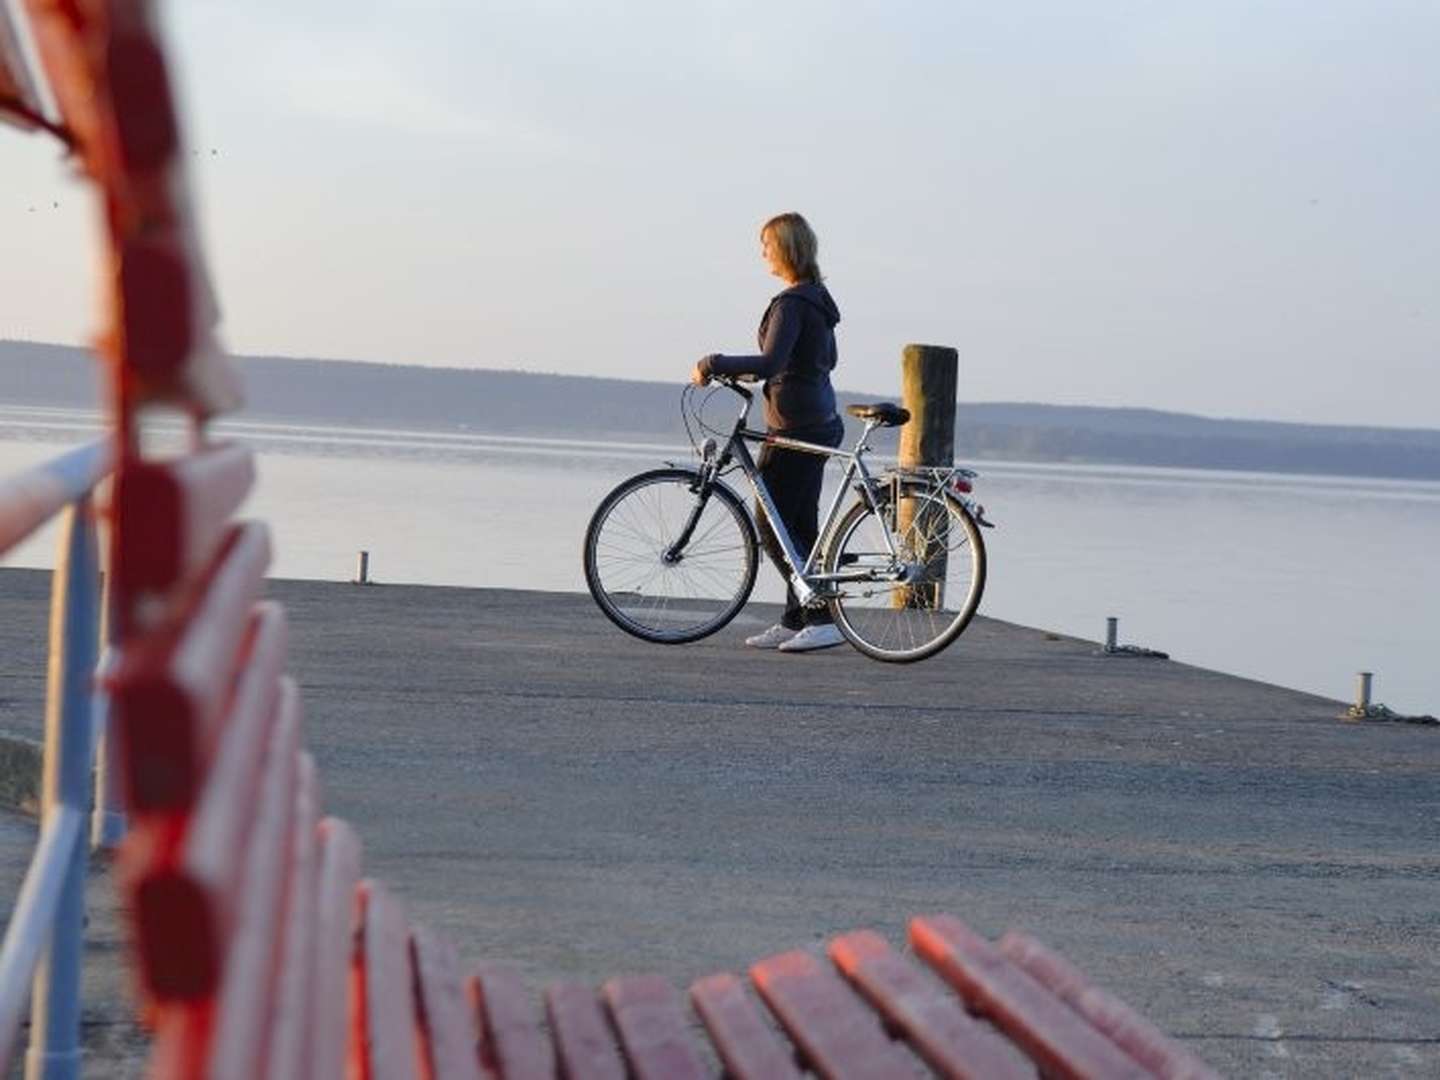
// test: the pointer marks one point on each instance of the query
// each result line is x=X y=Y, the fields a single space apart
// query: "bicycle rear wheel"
x=653 y=588
x=941 y=569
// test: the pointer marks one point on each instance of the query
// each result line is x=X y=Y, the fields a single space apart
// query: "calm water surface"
x=1300 y=581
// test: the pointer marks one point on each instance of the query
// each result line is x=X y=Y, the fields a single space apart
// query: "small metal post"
x=1112 y=633
x=74 y=638
x=362 y=569
x=1362 y=691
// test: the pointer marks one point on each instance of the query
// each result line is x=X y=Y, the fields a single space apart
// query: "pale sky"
x=1224 y=207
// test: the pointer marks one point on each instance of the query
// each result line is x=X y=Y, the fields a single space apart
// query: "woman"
x=797 y=354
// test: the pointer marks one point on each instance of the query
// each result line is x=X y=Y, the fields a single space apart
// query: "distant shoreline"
x=510 y=403
x=271 y=435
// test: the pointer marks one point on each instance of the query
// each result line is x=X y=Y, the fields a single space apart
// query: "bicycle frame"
x=804 y=578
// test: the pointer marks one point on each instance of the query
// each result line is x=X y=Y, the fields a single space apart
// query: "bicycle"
x=671 y=554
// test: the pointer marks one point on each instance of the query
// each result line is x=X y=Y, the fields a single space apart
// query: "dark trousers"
x=794 y=479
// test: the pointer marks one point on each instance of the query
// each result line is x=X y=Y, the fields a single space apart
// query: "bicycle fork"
x=675 y=552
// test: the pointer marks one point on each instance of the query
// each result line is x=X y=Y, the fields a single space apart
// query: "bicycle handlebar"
x=732 y=382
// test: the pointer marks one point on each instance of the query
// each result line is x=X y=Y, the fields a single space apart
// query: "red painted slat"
x=180 y=1041
x=294 y=996
x=240 y=1044
x=838 y=1036
x=648 y=1015
x=170 y=687
x=511 y=1043
x=382 y=1003
x=147 y=130
x=62 y=35
x=171 y=516
x=334 y=934
x=1141 y=1039
x=584 y=1044
x=747 y=1045
x=183 y=877
x=156 y=308
x=932 y=1019
x=449 y=1042
x=165 y=311
x=1062 y=1042
x=165 y=317
x=225 y=1032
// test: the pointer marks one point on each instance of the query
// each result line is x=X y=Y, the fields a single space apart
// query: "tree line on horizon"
x=512 y=402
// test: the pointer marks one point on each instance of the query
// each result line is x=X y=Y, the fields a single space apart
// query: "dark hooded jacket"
x=797 y=354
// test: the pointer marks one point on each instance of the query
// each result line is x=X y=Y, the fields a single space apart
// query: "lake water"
x=1300 y=581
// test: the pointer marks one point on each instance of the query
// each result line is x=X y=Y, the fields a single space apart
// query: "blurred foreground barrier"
x=46 y=928
x=261 y=950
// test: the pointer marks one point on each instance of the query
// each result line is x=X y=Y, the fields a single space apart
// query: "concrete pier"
x=1252 y=873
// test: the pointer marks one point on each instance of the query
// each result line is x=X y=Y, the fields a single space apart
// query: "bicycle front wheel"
x=912 y=604
x=666 y=562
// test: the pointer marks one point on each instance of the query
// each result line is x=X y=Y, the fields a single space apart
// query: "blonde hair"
x=795 y=241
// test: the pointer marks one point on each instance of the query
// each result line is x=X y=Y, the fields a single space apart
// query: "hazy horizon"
x=1225 y=211
x=268 y=388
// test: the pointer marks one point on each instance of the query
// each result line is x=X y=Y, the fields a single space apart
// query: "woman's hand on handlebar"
x=700 y=376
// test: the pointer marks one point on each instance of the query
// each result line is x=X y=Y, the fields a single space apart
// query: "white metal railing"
x=44 y=941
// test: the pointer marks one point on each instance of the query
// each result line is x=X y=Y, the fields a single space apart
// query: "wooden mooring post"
x=929 y=381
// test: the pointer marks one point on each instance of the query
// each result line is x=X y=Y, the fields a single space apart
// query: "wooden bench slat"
x=171 y=684
x=747 y=1045
x=449 y=1047
x=181 y=1040
x=58 y=34
x=163 y=298
x=512 y=1046
x=294 y=998
x=171 y=516
x=334 y=931
x=223 y=1034
x=183 y=877
x=1145 y=1042
x=955 y=1044
x=1061 y=1041
x=248 y=983
x=836 y=1033
x=382 y=1007
x=146 y=127
x=648 y=1014
x=225 y=808
x=584 y=1045
x=165 y=312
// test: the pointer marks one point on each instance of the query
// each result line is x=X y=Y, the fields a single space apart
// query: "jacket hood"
x=815 y=294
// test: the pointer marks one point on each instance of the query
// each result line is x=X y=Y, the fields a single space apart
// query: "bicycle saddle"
x=882 y=412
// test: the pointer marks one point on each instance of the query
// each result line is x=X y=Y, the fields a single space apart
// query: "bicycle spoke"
x=627 y=545
x=911 y=618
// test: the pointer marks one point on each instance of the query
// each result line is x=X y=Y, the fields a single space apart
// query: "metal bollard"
x=362 y=569
x=1362 y=690
x=1112 y=633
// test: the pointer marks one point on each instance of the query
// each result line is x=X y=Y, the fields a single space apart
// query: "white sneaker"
x=773 y=638
x=824 y=636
